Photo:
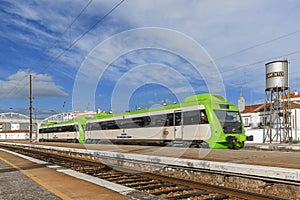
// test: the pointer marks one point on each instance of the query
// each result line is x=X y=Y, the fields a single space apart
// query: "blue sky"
x=141 y=53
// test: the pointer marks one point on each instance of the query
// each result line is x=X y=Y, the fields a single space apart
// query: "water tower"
x=277 y=107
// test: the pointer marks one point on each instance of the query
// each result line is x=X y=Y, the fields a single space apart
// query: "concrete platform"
x=287 y=174
x=15 y=185
x=273 y=146
x=24 y=178
x=284 y=159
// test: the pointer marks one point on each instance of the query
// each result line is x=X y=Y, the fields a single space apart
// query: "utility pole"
x=30 y=107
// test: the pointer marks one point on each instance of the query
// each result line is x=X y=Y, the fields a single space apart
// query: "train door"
x=178 y=129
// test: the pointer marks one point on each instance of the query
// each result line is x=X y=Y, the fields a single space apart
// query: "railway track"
x=158 y=186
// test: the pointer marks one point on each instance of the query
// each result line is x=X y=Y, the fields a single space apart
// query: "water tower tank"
x=277 y=75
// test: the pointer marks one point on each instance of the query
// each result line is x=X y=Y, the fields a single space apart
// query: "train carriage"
x=200 y=120
x=70 y=131
x=154 y=127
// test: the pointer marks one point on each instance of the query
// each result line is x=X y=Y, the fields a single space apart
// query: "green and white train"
x=206 y=120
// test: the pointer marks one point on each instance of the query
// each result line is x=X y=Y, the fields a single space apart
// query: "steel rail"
x=223 y=190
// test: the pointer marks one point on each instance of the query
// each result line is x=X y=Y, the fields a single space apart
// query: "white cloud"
x=222 y=27
x=162 y=40
x=149 y=74
x=225 y=27
x=17 y=86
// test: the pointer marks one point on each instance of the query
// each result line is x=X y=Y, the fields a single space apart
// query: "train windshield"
x=230 y=121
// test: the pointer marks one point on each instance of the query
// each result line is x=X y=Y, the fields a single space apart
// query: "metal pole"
x=30 y=107
x=265 y=119
x=296 y=126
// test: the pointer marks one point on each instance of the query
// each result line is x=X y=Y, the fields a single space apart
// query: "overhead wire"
x=53 y=45
x=260 y=61
x=68 y=27
x=255 y=46
x=79 y=38
x=259 y=44
x=225 y=71
x=257 y=62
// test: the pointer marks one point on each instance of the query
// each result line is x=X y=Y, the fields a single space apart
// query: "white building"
x=253 y=118
x=15 y=126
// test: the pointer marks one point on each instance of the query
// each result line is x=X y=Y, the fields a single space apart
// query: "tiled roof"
x=253 y=108
x=260 y=107
x=292 y=95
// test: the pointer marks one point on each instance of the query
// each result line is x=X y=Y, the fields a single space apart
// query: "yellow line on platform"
x=39 y=181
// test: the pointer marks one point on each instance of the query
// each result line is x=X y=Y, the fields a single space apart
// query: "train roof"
x=194 y=100
x=204 y=98
x=72 y=121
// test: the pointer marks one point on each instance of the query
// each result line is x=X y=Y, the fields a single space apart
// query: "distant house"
x=254 y=118
x=15 y=126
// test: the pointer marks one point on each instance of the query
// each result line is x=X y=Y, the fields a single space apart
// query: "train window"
x=103 y=125
x=224 y=106
x=109 y=125
x=158 y=120
x=47 y=130
x=88 y=127
x=178 y=119
x=70 y=128
x=228 y=116
x=126 y=123
x=138 y=121
x=42 y=130
x=170 y=120
x=93 y=126
x=230 y=121
x=203 y=117
x=146 y=121
x=141 y=121
x=75 y=127
x=191 y=117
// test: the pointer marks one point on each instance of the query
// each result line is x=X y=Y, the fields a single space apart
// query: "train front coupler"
x=233 y=141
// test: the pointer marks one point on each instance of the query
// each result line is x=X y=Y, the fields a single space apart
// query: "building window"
x=247 y=121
